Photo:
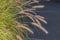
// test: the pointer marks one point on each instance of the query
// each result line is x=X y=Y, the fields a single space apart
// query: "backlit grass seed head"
x=10 y=28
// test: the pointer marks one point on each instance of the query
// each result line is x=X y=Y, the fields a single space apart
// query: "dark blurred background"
x=52 y=14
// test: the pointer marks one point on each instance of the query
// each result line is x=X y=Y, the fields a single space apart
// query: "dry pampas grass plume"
x=35 y=18
x=10 y=27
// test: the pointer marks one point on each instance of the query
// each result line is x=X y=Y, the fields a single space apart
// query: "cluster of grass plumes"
x=10 y=28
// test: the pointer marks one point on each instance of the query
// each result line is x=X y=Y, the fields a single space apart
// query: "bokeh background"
x=51 y=12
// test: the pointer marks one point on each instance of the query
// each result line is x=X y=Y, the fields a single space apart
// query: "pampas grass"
x=35 y=18
x=10 y=28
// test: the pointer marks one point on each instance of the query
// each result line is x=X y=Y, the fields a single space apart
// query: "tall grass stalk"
x=10 y=28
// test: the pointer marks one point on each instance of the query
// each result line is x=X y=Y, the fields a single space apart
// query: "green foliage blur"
x=8 y=10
